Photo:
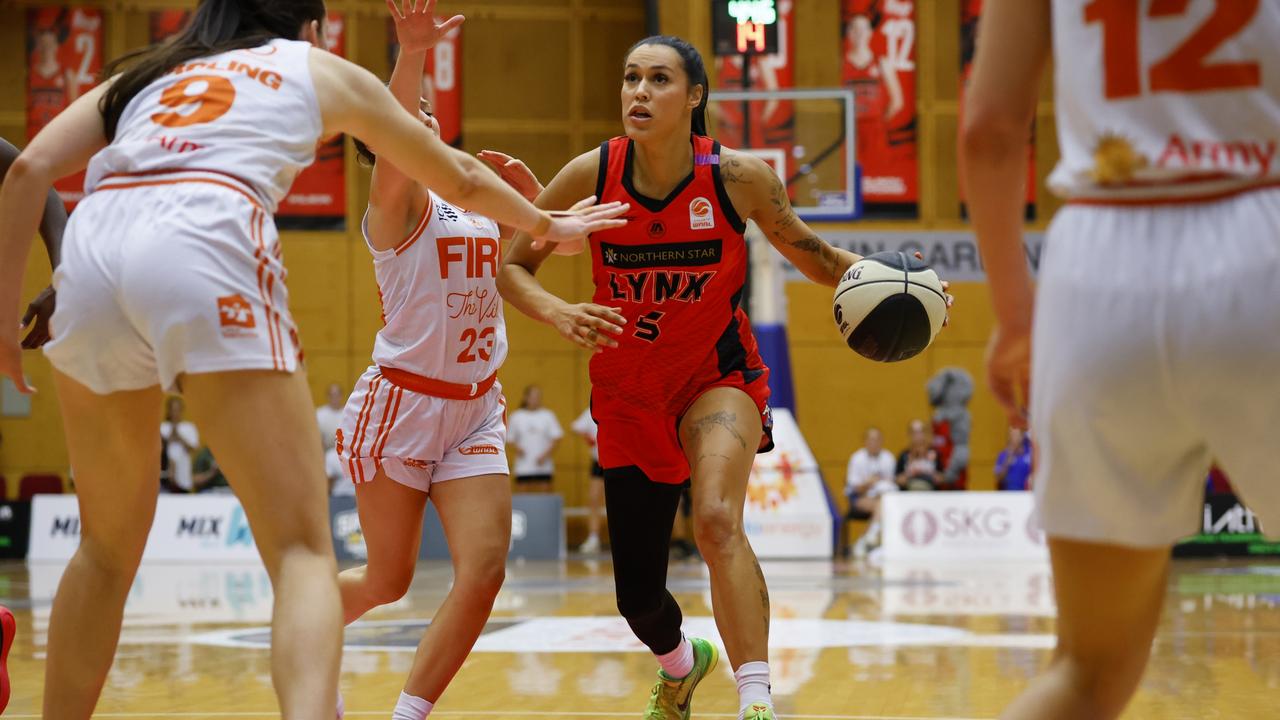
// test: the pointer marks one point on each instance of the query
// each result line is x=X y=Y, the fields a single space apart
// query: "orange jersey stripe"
x=417 y=233
x=1174 y=199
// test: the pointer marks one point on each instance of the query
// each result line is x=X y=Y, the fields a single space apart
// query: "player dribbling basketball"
x=678 y=387
x=1156 y=328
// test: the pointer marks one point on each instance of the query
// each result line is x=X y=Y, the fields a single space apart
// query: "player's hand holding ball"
x=890 y=306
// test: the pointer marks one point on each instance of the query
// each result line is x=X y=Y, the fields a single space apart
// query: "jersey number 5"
x=211 y=95
x=647 y=326
x=1183 y=70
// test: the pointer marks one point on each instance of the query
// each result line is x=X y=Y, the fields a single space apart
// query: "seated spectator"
x=534 y=433
x=1013 y=464
x=919 y=467
x=871 y=474
x=206 y=476
x=179 y=440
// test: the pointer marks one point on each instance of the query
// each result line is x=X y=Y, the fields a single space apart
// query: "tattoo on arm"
x=721 y=418
x=731 y=172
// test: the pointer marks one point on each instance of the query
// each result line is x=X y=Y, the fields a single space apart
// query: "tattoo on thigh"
x=720 y=418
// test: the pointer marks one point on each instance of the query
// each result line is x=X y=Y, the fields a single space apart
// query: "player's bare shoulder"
x=575 y=181
x=748 y=180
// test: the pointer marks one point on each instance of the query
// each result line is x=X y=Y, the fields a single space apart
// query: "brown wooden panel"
x=519 y=82
x=544 y=153
x=605 y=43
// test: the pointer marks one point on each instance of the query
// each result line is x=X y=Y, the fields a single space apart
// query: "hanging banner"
x=441 y=81
x=318 y=197
x=763 y=125
x=970 y=13
x=64 y=58
x=880 y=67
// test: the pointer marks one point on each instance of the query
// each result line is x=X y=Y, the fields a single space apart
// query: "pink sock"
x=678 y=663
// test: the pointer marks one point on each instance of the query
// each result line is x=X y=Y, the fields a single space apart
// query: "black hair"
x=364 y=154
x=691 y=61
x=217 y=26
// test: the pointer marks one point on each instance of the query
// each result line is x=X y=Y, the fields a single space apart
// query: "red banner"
x=319 y=193
x=970 y=13
x=772 y=124
x=441 y=81
x=64 y=58
x=880 y=66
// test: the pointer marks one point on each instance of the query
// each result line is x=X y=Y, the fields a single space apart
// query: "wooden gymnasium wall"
x=540 y=82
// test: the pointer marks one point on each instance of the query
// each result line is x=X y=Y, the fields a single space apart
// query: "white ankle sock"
x=753 y=685
x=678 y=663
x=409 y=707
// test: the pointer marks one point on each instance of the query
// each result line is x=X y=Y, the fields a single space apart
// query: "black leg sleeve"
x=641 y=514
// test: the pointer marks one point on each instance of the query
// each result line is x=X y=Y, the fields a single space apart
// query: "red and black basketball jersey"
x=677 y=270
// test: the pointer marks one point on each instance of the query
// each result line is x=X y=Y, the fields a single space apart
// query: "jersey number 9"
x=211 y=101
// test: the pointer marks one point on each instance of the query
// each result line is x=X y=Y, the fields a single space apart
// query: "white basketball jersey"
x=441 y=310
x=249 y=113
x=1166 y=99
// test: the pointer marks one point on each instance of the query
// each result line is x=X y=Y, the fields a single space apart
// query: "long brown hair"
x=217 y=26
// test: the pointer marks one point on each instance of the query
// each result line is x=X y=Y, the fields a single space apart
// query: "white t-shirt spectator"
x=328 y=419
x=866 y=471
x=179 y=457
x=585 y=426
x=533 y=432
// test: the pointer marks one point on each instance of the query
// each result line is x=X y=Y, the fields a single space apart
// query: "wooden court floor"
x=849 y=641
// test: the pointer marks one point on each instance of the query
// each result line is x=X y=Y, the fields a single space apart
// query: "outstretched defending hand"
x=570 y=228
x=416 y=28
x=514 y=172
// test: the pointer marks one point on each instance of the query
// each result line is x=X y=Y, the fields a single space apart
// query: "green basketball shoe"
x=672 y=699
x=758 y=711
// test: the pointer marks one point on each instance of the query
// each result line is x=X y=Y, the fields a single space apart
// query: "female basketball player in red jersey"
x=678 y=388
x=426 y=420
x=171 y=279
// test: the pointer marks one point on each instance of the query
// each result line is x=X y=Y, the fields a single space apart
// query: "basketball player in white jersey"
x=426 y=420
x=1156 y=327
x=171 y=279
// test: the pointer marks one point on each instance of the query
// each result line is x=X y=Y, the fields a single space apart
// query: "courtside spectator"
x=585 y=427
x=919 y=467
x=329 y=417
x=534 y=432
x=1013 y=464
x=180 y=441
x=872 y=472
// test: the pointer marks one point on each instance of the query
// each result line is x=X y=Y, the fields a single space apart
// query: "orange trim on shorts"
x=239 y=185
x=363 y=430
x=255 y=234
x=1174 y=199
x=355 y=435
x=437 y=388
x=384 y=428
x=417 y=232
x=379 y=447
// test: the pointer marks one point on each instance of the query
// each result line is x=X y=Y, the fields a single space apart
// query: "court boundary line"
x=504 y=714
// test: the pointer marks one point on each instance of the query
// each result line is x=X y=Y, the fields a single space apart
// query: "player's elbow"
x=466 y=182
x=30 y=167
x=992 y=130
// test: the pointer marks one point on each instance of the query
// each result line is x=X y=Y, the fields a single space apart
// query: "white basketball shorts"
x=419 y=439
x=169 y=274
x=1156 y=352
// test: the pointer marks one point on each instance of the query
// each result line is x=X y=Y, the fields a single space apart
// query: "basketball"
x=889 y=306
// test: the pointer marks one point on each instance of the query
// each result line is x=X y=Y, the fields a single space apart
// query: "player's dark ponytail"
x=217 y=26
x=691 y=59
